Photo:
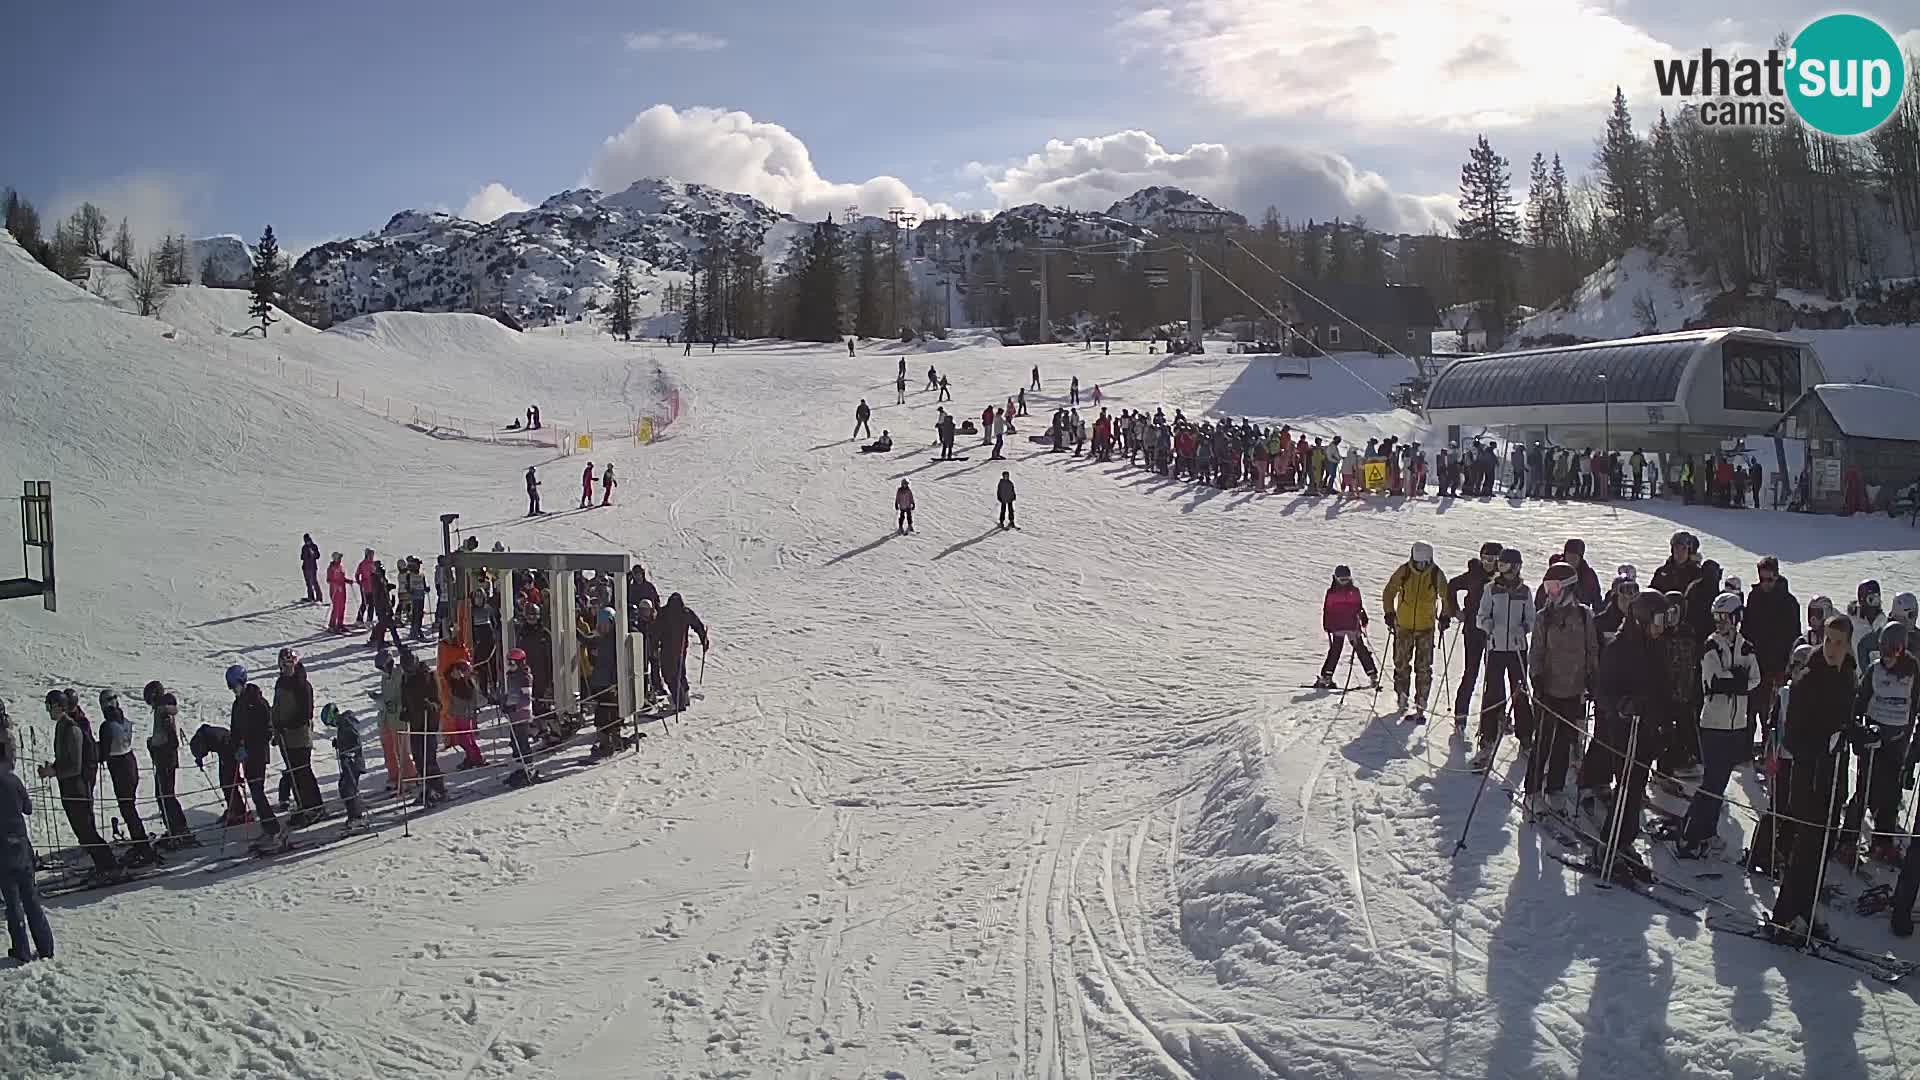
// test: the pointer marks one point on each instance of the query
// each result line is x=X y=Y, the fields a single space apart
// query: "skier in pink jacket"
x=586 y=486
x=337 y=594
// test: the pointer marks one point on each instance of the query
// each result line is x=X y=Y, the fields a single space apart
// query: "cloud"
x=732 y=151
x=493 y=201
x=674 y=41
x=154 y=204
x=1091 y=173
x=1461 y=66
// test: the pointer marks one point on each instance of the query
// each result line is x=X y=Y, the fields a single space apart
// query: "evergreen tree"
x=1668 y=175
x=1339 y=266
x=1489 y=228
x=1622 y=160
x=868 y=321
x=266 y=280
x=1373 y=261
x=1310 y=251
x=619 y=311
x=817 y=286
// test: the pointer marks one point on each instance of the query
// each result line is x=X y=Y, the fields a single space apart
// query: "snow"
x=224 y=261
x=1617 y=300
x=1872 y=412
x=958 y=804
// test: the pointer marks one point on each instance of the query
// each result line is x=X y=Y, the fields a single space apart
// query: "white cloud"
x=1091 y=173
x=153 y=203
x=674 y=41
x=1464 y=65
x=493 y=201
x=734 y=152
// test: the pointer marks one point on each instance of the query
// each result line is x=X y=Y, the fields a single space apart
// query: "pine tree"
x=1373 y=261
x=1622 y=160
x=266 y=280
x=1669 y=180
x=817 y=286
x=620 y=310
x=694 y=326
x=1489 y=228
x=1339 y=265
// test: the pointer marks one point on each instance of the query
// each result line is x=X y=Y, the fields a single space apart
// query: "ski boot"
x=1482 y=759
x=1418 y=716
x=1629 y=868
x=1887 y=853
x=1324 y=682
x=1373 y=680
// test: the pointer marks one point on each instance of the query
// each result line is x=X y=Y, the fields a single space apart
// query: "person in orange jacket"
x=337 y=594
x=363 y=576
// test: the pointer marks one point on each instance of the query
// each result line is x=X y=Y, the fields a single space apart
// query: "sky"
x=219 y=116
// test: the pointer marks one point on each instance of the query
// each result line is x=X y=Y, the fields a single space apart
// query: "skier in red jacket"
x=337 y=594
x=1344 y=617
x=586 y=486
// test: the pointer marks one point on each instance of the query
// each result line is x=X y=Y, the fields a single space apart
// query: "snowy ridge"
x=1155 y=208
x=223 y=262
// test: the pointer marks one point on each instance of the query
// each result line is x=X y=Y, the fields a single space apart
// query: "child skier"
x=607 y=485
x=903 y=502
x=520 y=718
x=346 y=750
x=1343 y=616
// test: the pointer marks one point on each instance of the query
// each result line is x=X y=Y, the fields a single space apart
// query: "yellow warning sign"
x=1373 y=473
x=583 y=442
x=645 y=434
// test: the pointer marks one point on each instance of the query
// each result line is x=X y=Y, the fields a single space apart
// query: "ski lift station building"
x=1688 y=392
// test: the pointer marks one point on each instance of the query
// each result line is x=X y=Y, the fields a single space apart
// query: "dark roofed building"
x=1340 y=316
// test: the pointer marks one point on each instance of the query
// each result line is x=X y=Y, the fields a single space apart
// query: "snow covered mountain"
x=561 y=252
x=1157 y=207
x=221 y=262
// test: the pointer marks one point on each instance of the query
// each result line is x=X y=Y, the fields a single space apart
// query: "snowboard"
x=956 y=457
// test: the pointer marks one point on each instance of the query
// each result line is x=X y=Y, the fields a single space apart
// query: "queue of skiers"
x=1687 y=679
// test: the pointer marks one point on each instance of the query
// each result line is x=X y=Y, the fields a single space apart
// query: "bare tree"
x=122 y=247
x=150 y=287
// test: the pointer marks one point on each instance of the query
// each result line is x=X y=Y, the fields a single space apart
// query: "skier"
x=900 y=386
x=1586 y=584
x=946 y=391
x=363 y=576
x=1681 y=567
x=292 y=717
x=586 y=487
x=607 y=484
x=310 y=567
x=1729 y=674
x=393 y=751
x=1474 y=584
x=1022 y=401
x=933 y=378
x=463 y=711
x=674 y=622
x=860 y=416
x=252 y=740
x=1506 y=617
x=1868 y=617
x=68 y=769
x=903 y=368
x=116 y=746
x=1563 y=660
x=999 y=428
x=850 y=348
x=986 y=425
x=346 y=751
x=29 y=936
x=384 y=621
x=1630 y=709
x=533 y=417
x=1409 y=600
x=1771 y=624
x=1006 y=495
x=1343 y=615
x=1887 y=700
x=1073 y=392
x=414 y=584
x=420 y=713
x=519 y=706
x=945 y=428
x=1818 y=711
x=903 y=505
x=1036 y=378
x=533 y=493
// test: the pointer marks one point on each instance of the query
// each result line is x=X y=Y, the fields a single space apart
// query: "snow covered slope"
x=224 y=262
x=958 y=804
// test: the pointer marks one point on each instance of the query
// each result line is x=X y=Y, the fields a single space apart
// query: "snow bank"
x=1872 y=412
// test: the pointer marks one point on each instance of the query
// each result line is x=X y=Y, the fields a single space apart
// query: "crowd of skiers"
x=1688 y=677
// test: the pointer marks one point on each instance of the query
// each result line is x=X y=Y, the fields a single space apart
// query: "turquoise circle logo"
x=1847 y=75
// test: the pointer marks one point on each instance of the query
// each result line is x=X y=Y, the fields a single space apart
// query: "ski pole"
x=1619 y=802
x=1826 y=830
x=1864 y=795
x=703 y=665
x=1461 y=844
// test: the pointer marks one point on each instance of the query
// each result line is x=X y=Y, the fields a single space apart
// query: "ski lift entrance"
x=36 y=530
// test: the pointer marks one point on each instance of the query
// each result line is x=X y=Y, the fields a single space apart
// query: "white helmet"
x=1626 y=570
x=1729 y=604
x=1906 y=608
x=1732 y=584
x=1422 y=552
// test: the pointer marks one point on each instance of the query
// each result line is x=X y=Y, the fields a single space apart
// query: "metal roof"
x=1645 y=371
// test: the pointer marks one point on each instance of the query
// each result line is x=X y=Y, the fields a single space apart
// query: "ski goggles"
x=1344 y=579
x=1553 y=587
x=1871 y=600
x=1670 y=617
x=1627 y=589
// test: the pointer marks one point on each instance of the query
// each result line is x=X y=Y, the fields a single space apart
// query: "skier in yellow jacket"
x=1410 y=600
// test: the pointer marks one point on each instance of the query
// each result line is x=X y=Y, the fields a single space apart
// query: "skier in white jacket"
x=1506 y=618
x=1729 y=671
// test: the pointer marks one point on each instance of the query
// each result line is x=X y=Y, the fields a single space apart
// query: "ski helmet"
x=1802 y=653
x=1868 y=594
x=1893 y=639
x=1647 y=608
x=1728 y=605
x=1819 y=610
x=151 y=694
x=1676 y=607
x=1627 y=570
x=56 y=700
x=606 y=617
x=329 y=714
x=1422 y=552
x=1732 y=584
x=236 y=677
x=517 y=656
x=1906 y=608
x=1510 y=559
x=1686 y=539
x=1627 y=585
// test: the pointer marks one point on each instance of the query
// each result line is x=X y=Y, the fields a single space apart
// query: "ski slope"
x=964 y=803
